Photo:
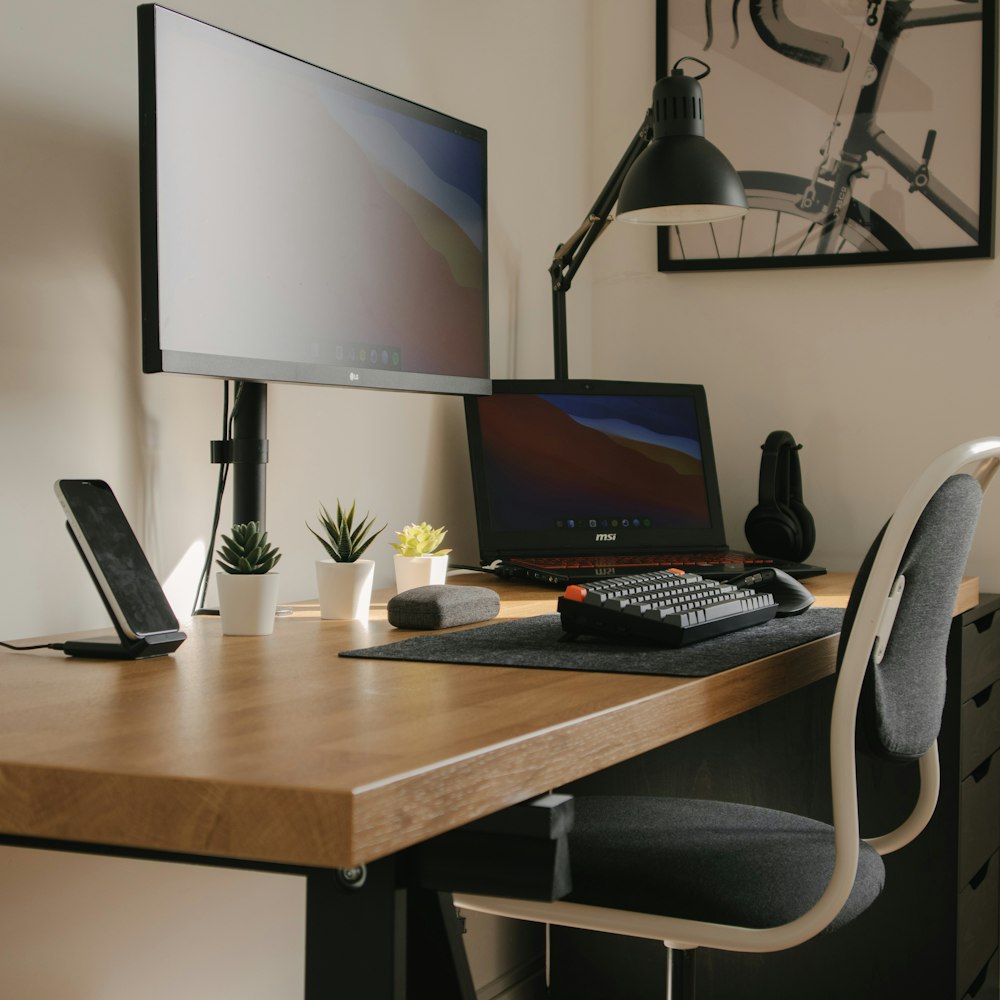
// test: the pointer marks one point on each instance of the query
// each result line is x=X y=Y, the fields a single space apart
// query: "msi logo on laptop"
x=605 y=536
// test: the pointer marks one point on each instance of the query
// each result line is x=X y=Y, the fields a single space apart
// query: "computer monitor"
x=300 y=226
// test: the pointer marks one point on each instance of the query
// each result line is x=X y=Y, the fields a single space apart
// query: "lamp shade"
x=680 y=177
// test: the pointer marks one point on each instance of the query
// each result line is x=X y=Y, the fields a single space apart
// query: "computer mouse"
x=791 y=596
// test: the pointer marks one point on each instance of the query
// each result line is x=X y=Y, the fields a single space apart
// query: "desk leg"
x=355 y=936
x=437 y=967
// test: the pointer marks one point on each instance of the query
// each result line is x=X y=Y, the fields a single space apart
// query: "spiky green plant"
x=420 y=540
x=247 y=551
x=343 y=541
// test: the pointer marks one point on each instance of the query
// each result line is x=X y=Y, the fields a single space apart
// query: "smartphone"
x=115 y=558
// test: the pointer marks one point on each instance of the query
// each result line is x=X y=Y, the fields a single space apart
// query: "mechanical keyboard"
x=668 y=607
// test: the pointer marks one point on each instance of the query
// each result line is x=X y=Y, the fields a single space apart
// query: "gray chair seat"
x=717 y=862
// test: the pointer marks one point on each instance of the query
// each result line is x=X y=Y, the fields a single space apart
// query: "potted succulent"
x=248 y=587
x=344 y=581
x=419 y=559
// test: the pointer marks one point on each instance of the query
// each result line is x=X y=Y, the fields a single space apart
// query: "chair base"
x=596 y=966
x=680 y=974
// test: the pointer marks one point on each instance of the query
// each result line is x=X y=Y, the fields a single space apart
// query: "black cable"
x=227 y=436
x=43 y=645
x=703 y=65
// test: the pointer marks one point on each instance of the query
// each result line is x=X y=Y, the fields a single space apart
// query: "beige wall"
x=875 y=369
x=73 y=403
x=73 y=400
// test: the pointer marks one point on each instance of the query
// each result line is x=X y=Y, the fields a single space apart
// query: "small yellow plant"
x=420 y=540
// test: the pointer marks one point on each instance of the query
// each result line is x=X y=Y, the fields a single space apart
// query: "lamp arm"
x=569 y=255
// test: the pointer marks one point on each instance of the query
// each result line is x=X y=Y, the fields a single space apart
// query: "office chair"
x=700 y=873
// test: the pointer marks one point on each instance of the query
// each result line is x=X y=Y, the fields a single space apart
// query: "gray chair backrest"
x=902 y=698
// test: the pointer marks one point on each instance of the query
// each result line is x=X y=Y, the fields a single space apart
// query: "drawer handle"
x=981 y=771
x=980 y=981
x=977 y=880
x=985 y=623
x=983 y=697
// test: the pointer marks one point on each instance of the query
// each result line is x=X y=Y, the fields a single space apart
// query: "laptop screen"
x=585 y=466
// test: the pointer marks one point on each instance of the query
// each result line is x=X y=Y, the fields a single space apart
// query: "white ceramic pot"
x=419 y=571
x=247 y=602
x=345 y=588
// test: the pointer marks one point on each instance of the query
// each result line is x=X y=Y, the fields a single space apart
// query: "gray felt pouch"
x=442 y=606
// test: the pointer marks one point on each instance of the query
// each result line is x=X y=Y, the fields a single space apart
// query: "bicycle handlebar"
x=779 y=32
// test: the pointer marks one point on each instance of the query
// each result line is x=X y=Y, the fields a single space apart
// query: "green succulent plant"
x=247 y=551
x=342 y=540
x=420 y=540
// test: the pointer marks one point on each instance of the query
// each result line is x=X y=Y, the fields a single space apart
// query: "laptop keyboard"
x=665 y=607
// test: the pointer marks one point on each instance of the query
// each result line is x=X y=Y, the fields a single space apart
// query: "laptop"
x=575 y=480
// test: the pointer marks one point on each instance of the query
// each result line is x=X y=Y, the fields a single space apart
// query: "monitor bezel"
x=497 y=544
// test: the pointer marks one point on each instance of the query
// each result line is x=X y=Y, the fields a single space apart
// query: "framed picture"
x=864 y=130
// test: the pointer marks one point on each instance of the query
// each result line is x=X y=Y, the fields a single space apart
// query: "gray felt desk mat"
x=537 y=642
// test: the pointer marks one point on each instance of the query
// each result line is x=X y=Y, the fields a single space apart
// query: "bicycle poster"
x=863 y=130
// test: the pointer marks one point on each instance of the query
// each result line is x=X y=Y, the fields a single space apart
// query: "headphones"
x=780 y=526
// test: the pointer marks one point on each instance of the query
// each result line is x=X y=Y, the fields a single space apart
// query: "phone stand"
x=118 y=646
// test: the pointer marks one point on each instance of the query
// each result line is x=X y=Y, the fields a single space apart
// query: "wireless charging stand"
x=119 y=646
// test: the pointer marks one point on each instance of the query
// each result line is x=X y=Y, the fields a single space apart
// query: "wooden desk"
x=275 y=750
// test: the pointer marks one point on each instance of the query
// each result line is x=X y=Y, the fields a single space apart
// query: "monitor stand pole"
x=249 y=454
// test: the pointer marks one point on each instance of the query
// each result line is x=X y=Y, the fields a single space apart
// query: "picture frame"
x=864 y=130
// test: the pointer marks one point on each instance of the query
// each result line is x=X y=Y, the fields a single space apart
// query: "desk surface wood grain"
x=276 y=749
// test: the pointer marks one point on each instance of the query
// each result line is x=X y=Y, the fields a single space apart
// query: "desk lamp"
x=670 y=175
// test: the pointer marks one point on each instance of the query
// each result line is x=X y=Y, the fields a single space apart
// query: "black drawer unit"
x=934 y=932
x=970 y=756
x=978 y=927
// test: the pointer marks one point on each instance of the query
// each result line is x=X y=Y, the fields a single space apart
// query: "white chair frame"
x=979 y=458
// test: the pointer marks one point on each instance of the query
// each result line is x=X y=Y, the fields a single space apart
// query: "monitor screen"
x=566 y=460
x=300 y=226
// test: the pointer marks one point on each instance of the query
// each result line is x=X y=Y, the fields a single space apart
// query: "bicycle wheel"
x=778 y=226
